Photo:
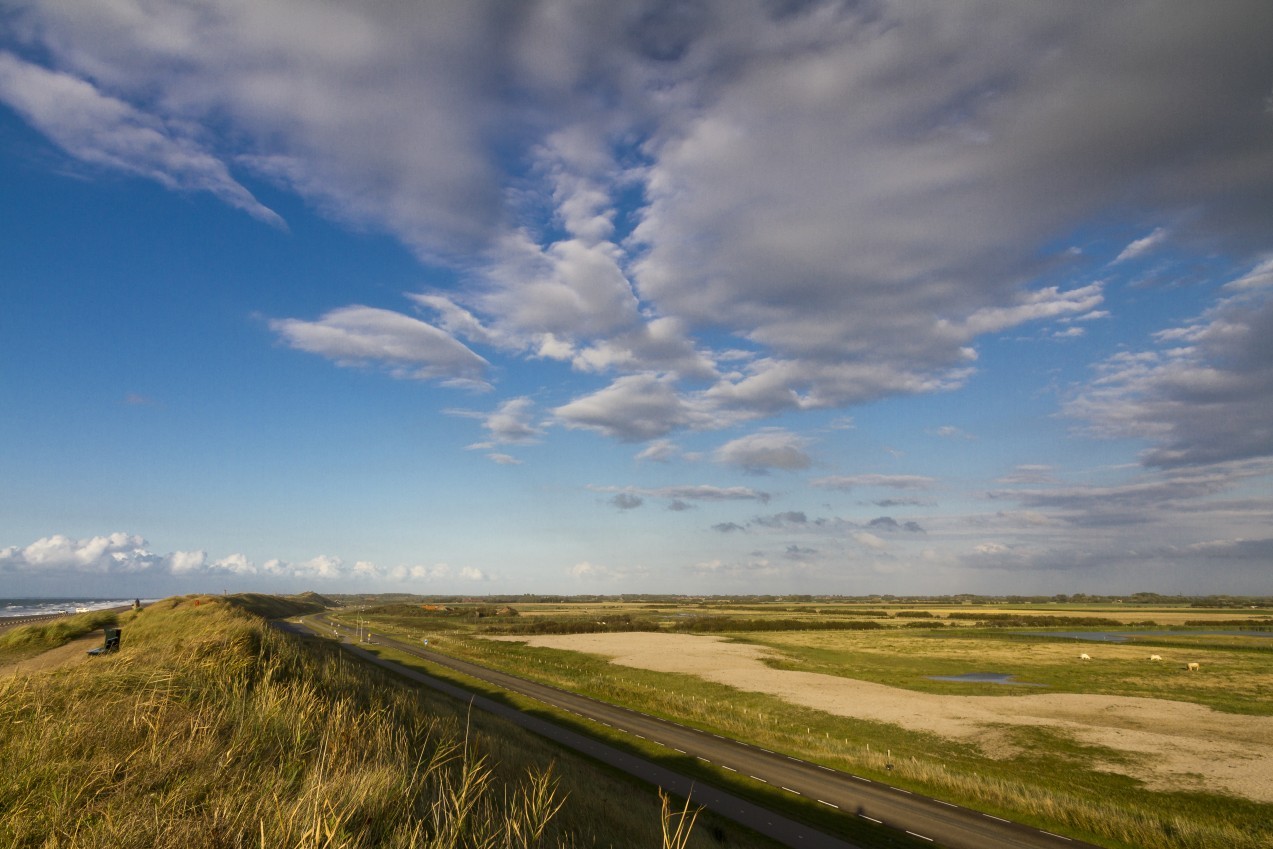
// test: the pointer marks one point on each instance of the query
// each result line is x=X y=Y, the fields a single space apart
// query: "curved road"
x=921 y=817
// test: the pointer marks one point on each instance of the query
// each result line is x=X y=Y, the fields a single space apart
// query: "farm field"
x=1118 y=749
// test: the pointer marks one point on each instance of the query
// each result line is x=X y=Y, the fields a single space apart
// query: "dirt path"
x=76 y=651
x=1178 y=745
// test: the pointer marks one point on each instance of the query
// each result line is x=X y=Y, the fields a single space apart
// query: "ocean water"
x=39 y=606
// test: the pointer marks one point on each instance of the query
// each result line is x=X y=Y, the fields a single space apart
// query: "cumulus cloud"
x=588 y=571
x=109 y=554
x=848 y=194
x=771 y=448
x=404 y=346
x=512 y=423
x=121 y=554
x=639 y=407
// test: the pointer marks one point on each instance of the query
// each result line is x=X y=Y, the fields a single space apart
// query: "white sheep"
x=1192 y=667
x=1085 y=656
x=1155 y=657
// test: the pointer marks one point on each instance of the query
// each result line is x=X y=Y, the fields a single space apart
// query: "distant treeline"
x=700 y=624
x=433 y=611
x=591 y=625
x=1142 y=598
x=1241 y=624
x=1014 y=620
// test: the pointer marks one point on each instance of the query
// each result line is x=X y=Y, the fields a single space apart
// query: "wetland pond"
x=1127 y=636
x=984 y=678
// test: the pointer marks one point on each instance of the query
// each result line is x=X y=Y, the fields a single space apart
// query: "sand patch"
x=1178 y=745
x=76 y=651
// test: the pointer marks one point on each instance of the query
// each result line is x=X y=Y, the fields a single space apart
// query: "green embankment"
x=210 y=728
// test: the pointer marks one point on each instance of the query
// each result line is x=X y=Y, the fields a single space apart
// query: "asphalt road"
x=926 y=819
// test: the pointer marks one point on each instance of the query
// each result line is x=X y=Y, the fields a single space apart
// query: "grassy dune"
x=27 y=640
x=212 y=729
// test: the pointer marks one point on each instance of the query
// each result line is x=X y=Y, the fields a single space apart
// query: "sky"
x=749 y=296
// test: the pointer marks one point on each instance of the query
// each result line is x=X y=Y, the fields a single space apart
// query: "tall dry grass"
x=210 y=729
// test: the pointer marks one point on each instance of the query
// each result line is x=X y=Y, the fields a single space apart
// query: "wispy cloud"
x=368 y=336
x=108 y=132
x=1141 y=246
x=848 y=482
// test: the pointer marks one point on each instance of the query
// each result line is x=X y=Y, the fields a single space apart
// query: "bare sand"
x=1172 y=745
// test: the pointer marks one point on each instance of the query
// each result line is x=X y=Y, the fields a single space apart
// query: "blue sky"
x=636 y=297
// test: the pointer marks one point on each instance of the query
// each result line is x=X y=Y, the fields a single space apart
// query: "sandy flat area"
x=1177 y=745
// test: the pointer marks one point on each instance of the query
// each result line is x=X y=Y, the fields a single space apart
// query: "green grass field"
x=1052 y=782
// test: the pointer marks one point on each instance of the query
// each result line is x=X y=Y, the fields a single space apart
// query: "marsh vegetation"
x=1038 y=773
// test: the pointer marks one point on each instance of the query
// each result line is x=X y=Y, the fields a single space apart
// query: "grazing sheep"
x=1085 y=656
x=1155 y=657
x=1192 y=667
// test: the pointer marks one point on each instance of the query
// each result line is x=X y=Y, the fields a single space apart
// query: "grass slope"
x=210 y=728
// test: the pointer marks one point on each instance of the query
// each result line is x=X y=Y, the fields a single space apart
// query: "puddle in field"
x=1126 y=636
x=985 y=678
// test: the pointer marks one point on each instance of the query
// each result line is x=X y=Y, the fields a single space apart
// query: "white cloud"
x=236 y=564
x=870 y=540
x=837 y=200
x=692 y=492
x=184 y=562
x=660 y=451
x=585 y=569
x=634 y=408
x=122 y=554
x=109 y=554
x=106 y=131
x=1141 y=246
x=952 y=432
x=771 y=448
x=511 y=423
x=1259 y=277
x=1202 y=397
x=405 y=346
x=847 y=482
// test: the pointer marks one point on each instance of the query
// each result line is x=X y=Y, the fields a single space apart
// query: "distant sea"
x=39 y=606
